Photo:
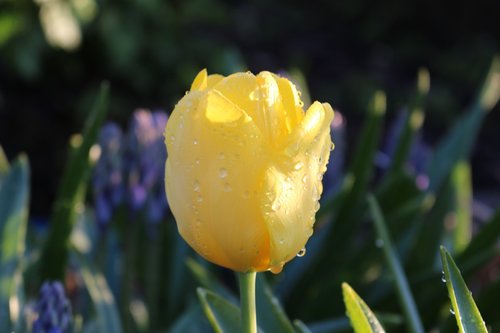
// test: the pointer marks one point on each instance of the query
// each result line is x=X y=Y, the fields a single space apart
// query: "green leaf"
x=300 y=327
x=270 y=315
x=404 y=292
x=462 y=190
x=4 y=164
x=484 y=240
x=14 y=200
x=101 y=296
x=413 y=122
x=192 y=320
x=362 y=318
x=456 y=146
x=224 y=316
x=465 y=310
x=71 y=193
x=209 y=281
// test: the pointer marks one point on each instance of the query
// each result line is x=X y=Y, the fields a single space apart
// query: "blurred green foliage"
x=149 y=49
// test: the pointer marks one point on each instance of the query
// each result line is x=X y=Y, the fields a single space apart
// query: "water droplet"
x=172 y=138
x=276 y=269
x=196 y=186
x=316 y=206
x=452 y=311
x=222 y=173
x=282 y=241
x=310 y=232
x=276 y=206
x=227 y=187
x=246 y=194
x=302 y=252
x=304 y=179
x=332 y=146
x=443 y=278
x=197 y=161
x=379 y=242
x=195 y=142
x=199 y=198
x=298 y=165
x=222 y=156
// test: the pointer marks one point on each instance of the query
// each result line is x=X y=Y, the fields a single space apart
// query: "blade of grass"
x=467 y=314
x=222 y=314
x=55 y=252
x=406 y=298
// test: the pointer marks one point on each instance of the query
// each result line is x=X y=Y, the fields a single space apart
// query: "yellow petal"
x=200 y=81
x=213 y=184
x=294 y=186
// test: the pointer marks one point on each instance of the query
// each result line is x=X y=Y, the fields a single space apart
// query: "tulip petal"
x=294 y=185
x=200 y=81
x=213 y=192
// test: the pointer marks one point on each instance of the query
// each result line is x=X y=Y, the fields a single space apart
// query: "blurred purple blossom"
x=53 y=310
x=130 y=169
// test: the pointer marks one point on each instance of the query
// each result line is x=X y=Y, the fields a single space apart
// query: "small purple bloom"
x=53 y=309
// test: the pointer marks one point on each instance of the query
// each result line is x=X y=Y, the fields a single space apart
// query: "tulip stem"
x=247 y=301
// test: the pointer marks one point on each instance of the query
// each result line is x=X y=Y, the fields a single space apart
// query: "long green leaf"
x=55 y=252
x=101 y=295
x=462 y=190
x=405 y=295
x=224 y=316
x=300 y=327
x=362 y=318
x=459 y=141
x=209 y=281
x=412 y=124
x=4 y=164
x=468 y=318
x=270 y=315
x=193 y=320
x=14 y=200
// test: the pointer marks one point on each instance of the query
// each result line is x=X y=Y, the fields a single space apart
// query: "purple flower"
x=131 y=168
x=53 y=309
x=145 y=163
x=107 y=179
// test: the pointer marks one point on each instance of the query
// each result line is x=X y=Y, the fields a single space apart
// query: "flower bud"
x=244 y=169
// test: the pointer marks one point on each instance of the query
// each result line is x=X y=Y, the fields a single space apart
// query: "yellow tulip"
x=244 y=169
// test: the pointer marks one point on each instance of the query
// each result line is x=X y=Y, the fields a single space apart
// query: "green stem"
x=247 y=300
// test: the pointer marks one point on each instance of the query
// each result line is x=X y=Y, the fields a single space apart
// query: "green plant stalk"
x=247 y=301
x=410 y=309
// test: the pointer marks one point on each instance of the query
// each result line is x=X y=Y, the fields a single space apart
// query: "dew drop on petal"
x=199 y=198
x=197 y=161
x=196 y=185
x=276 y=206
x=302 y=252
x=246 y=194
x=276 y=269
x=227 y=187
x=298 y=166
x=222 y=173
x=195 y=142
x=222 y=156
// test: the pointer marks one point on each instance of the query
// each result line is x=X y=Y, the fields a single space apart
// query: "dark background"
x=150 y=50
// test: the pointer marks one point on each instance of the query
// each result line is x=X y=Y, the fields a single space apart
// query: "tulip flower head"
x=244 y=169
